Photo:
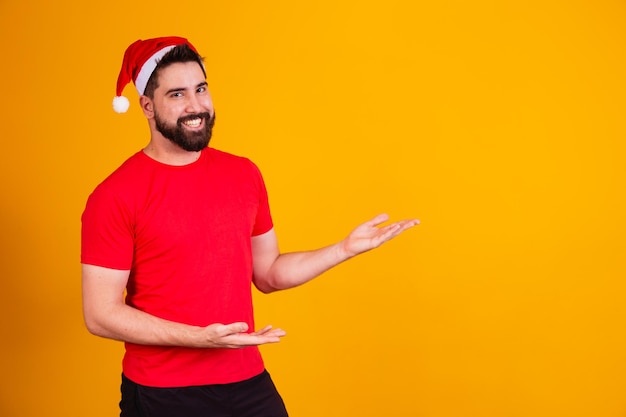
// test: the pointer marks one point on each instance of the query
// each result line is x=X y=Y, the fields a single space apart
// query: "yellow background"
x=499 y=124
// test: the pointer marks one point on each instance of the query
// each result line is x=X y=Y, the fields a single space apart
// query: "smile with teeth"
x=193 y=122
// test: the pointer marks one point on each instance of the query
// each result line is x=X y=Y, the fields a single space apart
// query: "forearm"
x=296 y=268
x=274 y=271
x=108 y=316
x=125 y=323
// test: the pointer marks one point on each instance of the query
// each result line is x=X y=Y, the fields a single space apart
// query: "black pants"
x=255 y=397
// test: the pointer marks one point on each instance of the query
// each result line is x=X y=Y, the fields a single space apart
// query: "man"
x=185 y=230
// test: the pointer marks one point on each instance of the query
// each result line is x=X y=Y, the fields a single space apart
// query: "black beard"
x=193 y=141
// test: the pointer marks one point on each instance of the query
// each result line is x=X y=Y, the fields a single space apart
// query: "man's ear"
x=147 y=106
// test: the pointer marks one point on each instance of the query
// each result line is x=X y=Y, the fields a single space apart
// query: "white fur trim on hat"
x=147 y=68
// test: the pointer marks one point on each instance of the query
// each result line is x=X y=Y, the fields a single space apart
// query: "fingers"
x=400 y=226
x=268 y=330
x=235 y=335
x=393 y=230
x=233 y=328
x=407 y=224
x=370 y=235
x=242 y=327
x=273 y=336
x=262 y=337
x=387 y=233
x=381 y=218
x=263 y=330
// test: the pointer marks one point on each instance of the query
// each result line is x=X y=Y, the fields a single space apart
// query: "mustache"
x=204 y=115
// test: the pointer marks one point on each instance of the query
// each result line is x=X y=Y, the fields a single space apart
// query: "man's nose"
x=193 y=104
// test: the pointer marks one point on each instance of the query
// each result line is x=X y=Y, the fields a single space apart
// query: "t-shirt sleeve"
x=107 y=232
x=263 y=221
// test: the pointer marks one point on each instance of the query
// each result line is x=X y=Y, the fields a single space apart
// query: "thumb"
x=381 y=218
x=238 y=327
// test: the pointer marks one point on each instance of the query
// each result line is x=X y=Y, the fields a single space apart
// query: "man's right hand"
x=234 y=336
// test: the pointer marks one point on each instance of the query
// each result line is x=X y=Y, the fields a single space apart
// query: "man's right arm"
x=107 y=315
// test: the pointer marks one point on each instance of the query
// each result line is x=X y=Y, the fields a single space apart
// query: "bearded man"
x=172 y=242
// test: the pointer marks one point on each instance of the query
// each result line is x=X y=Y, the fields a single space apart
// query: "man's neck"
x=169 y=153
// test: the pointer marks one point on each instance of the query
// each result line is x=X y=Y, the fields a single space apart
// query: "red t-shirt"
x=184 y=233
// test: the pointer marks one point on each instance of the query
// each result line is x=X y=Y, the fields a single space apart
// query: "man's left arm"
x=274 y=271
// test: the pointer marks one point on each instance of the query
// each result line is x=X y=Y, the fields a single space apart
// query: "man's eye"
x=201 y=90
x=177 y=94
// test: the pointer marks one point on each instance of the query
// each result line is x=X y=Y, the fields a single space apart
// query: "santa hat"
x=140 y=60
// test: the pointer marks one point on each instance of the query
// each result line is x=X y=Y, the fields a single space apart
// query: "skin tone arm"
x=274 y=271
x=108 y=316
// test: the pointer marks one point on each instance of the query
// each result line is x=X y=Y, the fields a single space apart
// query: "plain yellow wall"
x=499 y=124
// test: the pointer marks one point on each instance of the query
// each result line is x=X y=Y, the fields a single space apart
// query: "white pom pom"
x=120 y=104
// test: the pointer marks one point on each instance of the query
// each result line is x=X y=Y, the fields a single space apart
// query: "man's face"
x=183 y=109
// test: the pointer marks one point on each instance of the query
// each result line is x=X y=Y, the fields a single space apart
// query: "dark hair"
x=179 y=53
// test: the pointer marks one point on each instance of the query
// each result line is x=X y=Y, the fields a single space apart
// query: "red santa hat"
x=140 y=60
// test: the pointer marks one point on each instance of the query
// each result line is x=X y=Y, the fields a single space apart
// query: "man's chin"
x=190 y=140
x=193 y=146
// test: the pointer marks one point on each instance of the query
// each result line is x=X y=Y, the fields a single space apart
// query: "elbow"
x=93 y=325
x=264 y=287
x=274 y=281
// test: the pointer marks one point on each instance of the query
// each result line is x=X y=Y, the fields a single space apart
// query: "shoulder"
x=122 y=180
x=233 y=162
x=226 y=157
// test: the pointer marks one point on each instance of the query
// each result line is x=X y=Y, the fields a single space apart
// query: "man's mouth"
x=193 y=122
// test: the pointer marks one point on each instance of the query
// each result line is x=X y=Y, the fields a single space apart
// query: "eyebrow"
x=178 y=89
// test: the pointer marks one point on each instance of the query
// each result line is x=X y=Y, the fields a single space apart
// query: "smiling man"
x=172 y=242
